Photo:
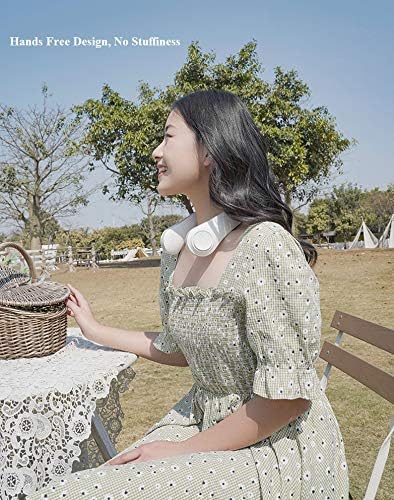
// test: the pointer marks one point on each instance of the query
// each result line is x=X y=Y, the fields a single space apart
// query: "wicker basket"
x=33 y=314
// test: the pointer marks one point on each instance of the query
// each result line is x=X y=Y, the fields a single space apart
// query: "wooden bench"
x=367 y=374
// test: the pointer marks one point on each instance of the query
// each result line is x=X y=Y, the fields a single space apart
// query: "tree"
x=116 y=238
x=378 y=206
x=304 y=145
x=152 y=228
x=42 y=167
x=319 y=218
x=344 y=209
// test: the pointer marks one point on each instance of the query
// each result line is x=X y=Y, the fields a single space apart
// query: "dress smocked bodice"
x=211 y=292
x=263 y=317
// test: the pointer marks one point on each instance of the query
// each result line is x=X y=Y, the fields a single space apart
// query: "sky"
x=342 y=50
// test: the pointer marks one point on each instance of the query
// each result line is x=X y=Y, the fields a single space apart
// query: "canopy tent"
x=388 y=233
x=370 y=240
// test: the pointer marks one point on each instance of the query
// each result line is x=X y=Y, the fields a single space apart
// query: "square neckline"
x=196 y=288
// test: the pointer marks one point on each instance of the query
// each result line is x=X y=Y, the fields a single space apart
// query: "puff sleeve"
x=283 y=319
x=164 y=341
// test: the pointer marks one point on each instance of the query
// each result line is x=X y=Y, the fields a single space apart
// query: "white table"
x=59 y=413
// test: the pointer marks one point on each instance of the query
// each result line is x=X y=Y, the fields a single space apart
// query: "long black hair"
x=241 y=181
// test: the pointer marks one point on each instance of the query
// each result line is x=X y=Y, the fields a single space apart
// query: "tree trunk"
x=288 y=202
x=35 y=243
x=187 y=203
x=151 y=226
x=35 y=232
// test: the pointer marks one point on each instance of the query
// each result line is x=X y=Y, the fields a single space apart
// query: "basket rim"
x=31 y=314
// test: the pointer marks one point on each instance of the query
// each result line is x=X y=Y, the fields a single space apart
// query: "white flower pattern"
x=250 y=336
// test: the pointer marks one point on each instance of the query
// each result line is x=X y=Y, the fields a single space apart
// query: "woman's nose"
x=156 y=155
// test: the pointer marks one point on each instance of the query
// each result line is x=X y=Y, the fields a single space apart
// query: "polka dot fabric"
x=256 y=333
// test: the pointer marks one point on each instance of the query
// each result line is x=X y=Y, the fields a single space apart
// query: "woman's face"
x=178 y=152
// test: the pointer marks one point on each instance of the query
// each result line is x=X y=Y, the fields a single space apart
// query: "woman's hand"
x=150 y=451
x=78 y=308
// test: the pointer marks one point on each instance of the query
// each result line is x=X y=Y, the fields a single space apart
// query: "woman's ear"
x=207 y=159
x=204 y=156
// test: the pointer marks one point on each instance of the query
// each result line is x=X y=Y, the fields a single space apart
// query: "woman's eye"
x=167 y=135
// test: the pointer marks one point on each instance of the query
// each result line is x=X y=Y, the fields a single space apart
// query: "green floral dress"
x=256 y=333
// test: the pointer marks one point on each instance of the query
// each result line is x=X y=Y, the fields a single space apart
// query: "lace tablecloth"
x=46 y=409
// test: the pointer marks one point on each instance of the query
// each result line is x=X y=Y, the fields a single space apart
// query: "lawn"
x=359 y=282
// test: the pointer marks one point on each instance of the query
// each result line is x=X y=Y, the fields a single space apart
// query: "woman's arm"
x=255 y=420
x=139 y=343
x=252 y=422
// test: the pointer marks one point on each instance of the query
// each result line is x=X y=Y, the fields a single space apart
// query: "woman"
x=245 y=319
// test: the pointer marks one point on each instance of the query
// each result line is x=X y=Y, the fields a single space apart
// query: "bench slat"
x=374 y=334
x=370 y=376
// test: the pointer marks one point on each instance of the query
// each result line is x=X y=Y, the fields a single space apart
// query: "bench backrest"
x=367 y=374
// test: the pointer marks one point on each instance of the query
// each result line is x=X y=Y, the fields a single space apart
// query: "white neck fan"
x=201 y=240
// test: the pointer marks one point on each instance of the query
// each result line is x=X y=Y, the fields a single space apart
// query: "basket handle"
x=26 y=256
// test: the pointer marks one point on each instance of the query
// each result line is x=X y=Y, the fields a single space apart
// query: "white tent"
x=128 y=255
x=131 y=255
x=388 y=232
x=370 y=240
